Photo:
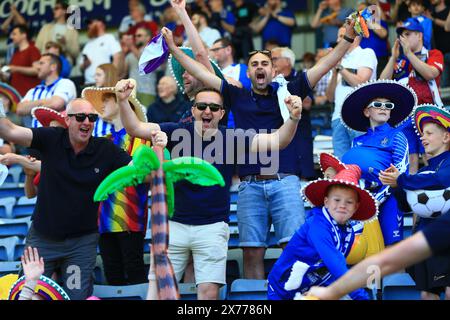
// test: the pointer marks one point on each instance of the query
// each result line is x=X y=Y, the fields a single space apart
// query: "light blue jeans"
x=271 y=201
x=342 y=138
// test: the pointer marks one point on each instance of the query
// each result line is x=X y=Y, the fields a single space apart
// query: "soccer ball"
x=429 y=203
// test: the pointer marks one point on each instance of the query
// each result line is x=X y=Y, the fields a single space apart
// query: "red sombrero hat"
x=46 y=115
x=12 y=94
x=315 y=192
x=327 y=160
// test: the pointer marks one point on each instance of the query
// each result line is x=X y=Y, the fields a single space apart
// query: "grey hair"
x=286 y=52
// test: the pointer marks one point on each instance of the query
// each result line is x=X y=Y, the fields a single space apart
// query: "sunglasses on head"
x=80 y=117
x=264 y=52
x=214 y=107
x=379 y=105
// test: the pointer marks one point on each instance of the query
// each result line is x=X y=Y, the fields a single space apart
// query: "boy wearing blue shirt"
x=377 y=107
x=315 y=256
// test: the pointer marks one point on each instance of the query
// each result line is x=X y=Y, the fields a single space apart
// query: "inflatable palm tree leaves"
x=145 y=160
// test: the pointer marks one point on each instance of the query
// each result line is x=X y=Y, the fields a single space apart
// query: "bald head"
x=167 y=87
x=80 y=105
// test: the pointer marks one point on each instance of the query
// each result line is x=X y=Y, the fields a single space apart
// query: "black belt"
x=260 y=177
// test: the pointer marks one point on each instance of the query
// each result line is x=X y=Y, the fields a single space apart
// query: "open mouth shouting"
x=260 y=77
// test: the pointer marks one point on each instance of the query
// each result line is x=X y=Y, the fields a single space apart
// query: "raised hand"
x=178 y=4
x=33 y=266
x=294 y=104
x=396 y=49
x=350 y=28
x=123 y=89
x=405 y=45
x=168 y=36
x=389 y=176
x=159 y=138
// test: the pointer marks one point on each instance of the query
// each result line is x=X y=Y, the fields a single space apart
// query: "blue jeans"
x=271 y=201
x=342 y=138
x=75 y=257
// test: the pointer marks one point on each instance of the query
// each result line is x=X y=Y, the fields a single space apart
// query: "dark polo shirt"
x=65 y=207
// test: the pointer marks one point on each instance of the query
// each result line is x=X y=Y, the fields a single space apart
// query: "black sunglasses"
x=379 y=105
x=80 y=117
x=264 y=52
x=214 y=107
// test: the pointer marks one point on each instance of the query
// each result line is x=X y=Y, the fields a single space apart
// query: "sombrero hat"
x=401 y=95
x=425 y=113
x=327 y=160
x=94 y=95
x=46 y=115
x=46 y=288
x=177 y=69
x=12 y=94
x=315 y=192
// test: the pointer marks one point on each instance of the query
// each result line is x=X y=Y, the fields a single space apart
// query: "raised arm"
x=200 y=52
x=130 y=121
x=284 y=135
x=14 y=133
x=427 y=71
x=330 y=60
x=195 y=68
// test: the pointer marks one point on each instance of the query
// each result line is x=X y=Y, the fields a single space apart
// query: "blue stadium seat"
x=11 y=190
x=233 y=197
x=99 y=275
x=18 y=251
x=248 y=289
x=233 y=242
x=14 y=227
x=7 y=246
x=14 y=173
x=131 y=292
x=6 y=207
x=9 y=267
x=188 y=291
x=399 y=286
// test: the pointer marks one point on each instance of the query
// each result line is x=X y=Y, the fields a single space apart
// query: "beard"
x=93 y=32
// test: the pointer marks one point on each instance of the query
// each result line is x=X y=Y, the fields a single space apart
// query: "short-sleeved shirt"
x=352 y=61
x=194 y=204
x=99 y=51
x=65 y=207
x=275 y=30
x=24 y=58
x=262 y=112
x=63 y=88
x=379 y=45
x=403 y=68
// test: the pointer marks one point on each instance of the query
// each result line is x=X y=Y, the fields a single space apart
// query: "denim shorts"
x=271 y=201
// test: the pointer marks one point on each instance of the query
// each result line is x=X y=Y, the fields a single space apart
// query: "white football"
x=429 y=203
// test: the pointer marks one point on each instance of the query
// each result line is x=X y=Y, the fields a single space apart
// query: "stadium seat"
x=233 y=242
x=6 y=207
x=188 y=291
x=18 y=251
x=9 y=267
x=14 y=227
x=399 y=286
x=233 y=197
x=7 y=246
x=271 y=256
x=14 y=172
x=131 y=292
x=248 y=289
x=11 y=190
x=99 y=275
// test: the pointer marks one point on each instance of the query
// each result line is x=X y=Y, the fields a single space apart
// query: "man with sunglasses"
x=378 y=108
x=199 y=224
x=64 y=227
x=263 y=108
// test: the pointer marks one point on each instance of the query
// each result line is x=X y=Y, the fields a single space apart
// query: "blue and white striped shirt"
x=102 y=128
x=63 y=88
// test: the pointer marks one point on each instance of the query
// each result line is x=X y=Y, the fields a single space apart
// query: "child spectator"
x=417 y=9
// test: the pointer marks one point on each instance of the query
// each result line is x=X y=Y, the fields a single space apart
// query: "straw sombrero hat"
x=315 y=192
x=46 y=115
x=46 y=288
x=425 y=113
x=177 y=69
x=12 y=94
x=94 y=95
x=401 y=95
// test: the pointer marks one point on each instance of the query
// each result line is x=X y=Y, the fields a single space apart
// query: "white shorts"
x=209 y=246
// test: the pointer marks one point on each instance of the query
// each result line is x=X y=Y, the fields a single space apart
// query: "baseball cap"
x=412 y=24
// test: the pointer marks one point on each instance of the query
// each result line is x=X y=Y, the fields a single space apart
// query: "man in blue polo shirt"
x=64 y=227
x=199 y=224
x=265 y=189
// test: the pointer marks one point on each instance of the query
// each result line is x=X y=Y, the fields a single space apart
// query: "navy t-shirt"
x=65 y=207
x=262 y=112
x=437 y=234
x=194 y=204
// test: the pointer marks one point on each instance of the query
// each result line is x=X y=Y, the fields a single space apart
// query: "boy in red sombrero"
x=315 y=255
